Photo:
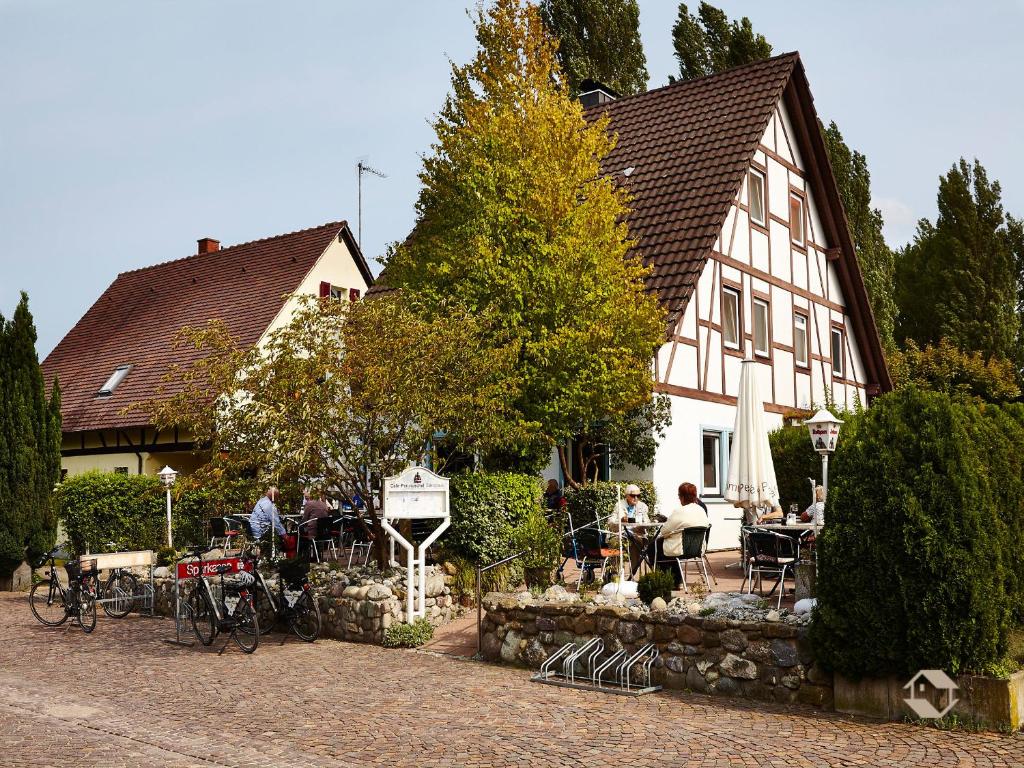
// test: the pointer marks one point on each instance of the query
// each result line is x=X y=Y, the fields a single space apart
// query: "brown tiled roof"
x=689 y=145
x=135 y=320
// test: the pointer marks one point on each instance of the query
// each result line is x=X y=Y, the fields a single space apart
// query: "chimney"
x=208 y=245
x=593 y=94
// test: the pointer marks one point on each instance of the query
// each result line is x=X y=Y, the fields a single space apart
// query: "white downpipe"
x=409 y=578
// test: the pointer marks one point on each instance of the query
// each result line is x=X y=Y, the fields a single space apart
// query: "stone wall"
x=357 y=605
x=758 y=659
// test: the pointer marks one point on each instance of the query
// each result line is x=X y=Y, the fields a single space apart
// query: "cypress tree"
x=29 y=445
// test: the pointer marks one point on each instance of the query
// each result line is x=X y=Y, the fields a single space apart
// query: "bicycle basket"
x=294 y=572
x=78 y=568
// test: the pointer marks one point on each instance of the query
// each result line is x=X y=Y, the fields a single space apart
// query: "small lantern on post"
x=824 y=431
x=167 y=477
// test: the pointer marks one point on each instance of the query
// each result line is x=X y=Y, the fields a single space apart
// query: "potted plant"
x=542 y=544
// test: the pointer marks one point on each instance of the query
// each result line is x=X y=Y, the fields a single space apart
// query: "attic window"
x=115 y=378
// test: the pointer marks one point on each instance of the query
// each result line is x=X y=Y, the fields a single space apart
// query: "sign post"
x=415 y=494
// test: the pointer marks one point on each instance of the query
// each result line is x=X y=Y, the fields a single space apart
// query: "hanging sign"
x=416 y=493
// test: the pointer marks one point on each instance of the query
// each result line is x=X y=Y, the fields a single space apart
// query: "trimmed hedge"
x=486 y=510
x=920 y=563
x=97 y=508
x=795 y=460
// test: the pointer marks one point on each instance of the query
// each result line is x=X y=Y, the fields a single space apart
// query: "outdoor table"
x=645 y=536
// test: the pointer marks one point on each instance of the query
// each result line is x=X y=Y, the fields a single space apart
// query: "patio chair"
x=352 y=531
x=590 y=552
x=695 y=545
x=224 y=531
x=323 y=539
x=773 y=554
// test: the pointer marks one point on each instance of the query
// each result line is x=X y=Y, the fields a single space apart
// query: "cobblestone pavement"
x=121 y=696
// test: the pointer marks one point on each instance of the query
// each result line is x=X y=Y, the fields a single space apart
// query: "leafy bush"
x=129 y=511
x=486 y=509
x=408 y=635
x=598 y=500
x=945 y=368
x=656 y=584
x=543 y=545
x=795 y=460
x=919 y=563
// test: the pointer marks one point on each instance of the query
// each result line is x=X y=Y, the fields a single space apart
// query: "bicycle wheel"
x=204 y=620
x=118 y=593
x=47 y=603
x=246 y=633
x=86 y=611
x=305 y=618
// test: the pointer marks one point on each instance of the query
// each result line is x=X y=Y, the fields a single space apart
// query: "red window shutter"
x=325 y=289
x=353 y=294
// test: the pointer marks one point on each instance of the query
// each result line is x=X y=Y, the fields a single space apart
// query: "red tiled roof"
x=135 y=320
x=689 y=145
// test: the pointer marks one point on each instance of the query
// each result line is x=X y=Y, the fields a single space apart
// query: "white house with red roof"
x=118 y=353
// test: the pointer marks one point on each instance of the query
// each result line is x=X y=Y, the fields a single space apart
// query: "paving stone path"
x=121 y=696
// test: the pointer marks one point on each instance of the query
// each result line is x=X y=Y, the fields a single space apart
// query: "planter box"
x=989 y=702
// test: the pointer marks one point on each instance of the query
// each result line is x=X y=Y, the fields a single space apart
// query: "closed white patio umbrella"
x=751 y=471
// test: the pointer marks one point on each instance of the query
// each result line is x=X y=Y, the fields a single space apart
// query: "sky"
x=130 y=129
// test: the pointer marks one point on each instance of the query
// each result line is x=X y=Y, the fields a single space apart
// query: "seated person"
x=264 y=515
x=630 y=510
x=816 y=512
x=775 y=516
x=688 y=514
x=314 y=507
x=553 y=497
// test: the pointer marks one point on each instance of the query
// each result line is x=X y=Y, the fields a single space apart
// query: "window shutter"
x=353 y=294
x=325 y=290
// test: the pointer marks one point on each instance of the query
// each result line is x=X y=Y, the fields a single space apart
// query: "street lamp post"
x=168 y=476
x=824 y=430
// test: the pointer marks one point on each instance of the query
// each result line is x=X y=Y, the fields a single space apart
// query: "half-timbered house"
x=118 y=353
x=737 y=213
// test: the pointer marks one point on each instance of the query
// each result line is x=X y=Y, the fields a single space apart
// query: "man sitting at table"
x=816 y=512
x=630 y=510
x=264 y=515
x=688 y=514
x=314 y=507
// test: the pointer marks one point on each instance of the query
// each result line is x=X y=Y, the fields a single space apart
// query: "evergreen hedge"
x=130 y=511
x=919 y=561
x=486 y=509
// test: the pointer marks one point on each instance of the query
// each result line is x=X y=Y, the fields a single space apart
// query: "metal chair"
x=224 y=531
x=695 y=544
x=352 y=531
x=323 y=539
x=590 y=552
x=773 y=554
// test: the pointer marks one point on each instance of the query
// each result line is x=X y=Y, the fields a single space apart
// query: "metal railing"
x=480 y=570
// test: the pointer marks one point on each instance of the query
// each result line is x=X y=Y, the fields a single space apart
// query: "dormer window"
x=115 y=378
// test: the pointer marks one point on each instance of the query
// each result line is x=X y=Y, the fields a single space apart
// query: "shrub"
x=598 y=499
x=408 y=635
x=656 y=584
x=486 y=509
x=795 y=460
x=918 y=561
x=129 y=511
x=543 y=545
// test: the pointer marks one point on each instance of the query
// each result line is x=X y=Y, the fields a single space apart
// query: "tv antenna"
x=362 y=168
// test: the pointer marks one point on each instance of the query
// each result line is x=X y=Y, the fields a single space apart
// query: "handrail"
x=480 y=569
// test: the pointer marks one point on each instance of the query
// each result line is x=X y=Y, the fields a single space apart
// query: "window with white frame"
x=800 y=340
x=762 y=342
x=755 y=197
x=731 y=318
x=797 y=224
x=716 y=445
x=838 y=363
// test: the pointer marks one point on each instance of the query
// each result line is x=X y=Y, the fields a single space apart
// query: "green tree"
x=344 y=395
x=598 y=40
x=944 y=368
x=517 y=223
x=709 y=43
x=958 y=279
x=29 y=444
x=877 y=260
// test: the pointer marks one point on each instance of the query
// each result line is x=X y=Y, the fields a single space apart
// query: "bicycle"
x=302 y=613
x=119 y=591
x=212 y=616
x=52 y=604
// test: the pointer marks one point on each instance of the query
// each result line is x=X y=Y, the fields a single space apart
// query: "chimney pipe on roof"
x=593 y=93
x=208 y=245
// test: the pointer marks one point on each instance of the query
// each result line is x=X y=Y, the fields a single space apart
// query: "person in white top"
x=630 y=510
x=689 y=514
x=816 y=512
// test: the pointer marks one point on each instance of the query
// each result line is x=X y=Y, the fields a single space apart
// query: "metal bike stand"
x=583 y=668
x=182 y=615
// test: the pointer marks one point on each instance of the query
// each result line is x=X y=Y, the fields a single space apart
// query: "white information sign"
x=416 y=493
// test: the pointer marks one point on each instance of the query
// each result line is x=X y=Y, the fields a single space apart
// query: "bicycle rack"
x=584 y=667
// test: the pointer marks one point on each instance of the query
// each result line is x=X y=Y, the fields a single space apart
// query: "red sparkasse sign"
x=190 y=570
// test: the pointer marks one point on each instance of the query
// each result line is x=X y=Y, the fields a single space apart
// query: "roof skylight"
x=115 y=378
